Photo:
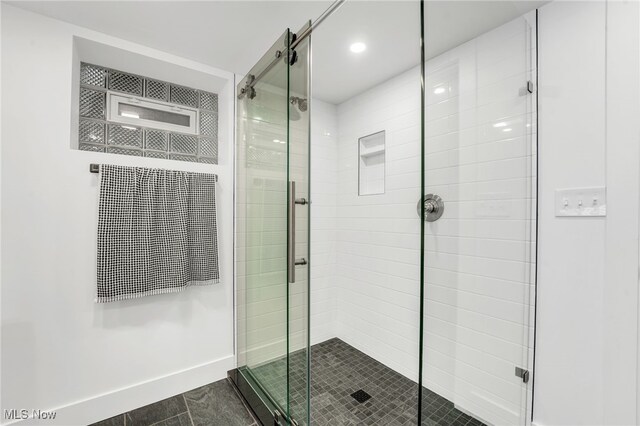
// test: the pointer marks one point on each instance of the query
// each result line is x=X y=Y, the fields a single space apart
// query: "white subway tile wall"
x=378 y=239
x=324 y=229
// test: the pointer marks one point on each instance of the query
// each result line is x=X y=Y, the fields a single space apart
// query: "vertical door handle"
x=291 y=228
x=292 y=262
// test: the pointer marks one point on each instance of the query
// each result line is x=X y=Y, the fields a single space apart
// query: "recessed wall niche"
x=371 y=153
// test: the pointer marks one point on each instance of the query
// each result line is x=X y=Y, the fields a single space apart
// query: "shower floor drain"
x=360 y=396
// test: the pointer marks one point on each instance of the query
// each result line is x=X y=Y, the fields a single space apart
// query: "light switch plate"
x=581 y=202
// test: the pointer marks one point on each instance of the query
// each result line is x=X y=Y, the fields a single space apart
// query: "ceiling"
x=232 y=35
x=391 y=30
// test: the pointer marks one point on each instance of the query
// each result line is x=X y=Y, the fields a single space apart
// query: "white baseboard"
x=118 y=401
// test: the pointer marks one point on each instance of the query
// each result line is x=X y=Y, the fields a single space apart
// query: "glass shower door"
x=271 y=234
x=480 y=218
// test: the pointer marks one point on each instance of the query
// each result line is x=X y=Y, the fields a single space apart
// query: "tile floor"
x=215 y=404
x=337 y=371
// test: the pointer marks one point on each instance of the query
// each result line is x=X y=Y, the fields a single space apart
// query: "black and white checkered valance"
x=157 y=231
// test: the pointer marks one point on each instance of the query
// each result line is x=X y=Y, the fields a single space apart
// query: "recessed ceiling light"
x=358 y=47
x=439 y=90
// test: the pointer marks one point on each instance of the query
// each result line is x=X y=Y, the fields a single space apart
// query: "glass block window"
x=127 y=83
x=155 y=89
x=97 y=133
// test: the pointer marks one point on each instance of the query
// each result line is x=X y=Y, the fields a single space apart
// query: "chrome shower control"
x=433 y=207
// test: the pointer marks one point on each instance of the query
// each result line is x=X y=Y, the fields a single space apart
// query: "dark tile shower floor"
x=338 y=370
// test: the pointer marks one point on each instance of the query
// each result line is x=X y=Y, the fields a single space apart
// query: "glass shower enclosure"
x=424 y=168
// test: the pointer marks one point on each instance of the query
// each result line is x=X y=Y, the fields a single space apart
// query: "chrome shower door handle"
x=292 y=262
x=291 y=238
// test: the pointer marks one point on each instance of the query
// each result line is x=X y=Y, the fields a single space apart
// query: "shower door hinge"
x=523 y=374
x=248 y=89
x=277 y=419
x=527 y=89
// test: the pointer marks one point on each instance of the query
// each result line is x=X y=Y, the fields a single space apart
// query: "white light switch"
x=581 y=201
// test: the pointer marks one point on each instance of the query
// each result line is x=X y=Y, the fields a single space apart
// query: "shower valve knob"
x=433 y=207
x=430 y=206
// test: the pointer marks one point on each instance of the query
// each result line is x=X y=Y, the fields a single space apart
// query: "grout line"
x=169 y=418
x=184 y=398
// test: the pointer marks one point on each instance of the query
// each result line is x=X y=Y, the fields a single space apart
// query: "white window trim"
x=115 y=99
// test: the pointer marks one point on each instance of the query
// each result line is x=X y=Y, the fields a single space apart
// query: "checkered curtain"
x=157 y=232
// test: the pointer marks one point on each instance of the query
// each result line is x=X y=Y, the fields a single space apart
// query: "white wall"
x=571 y=251
x=587 y=306
x=621 y=396
x=60 y=350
